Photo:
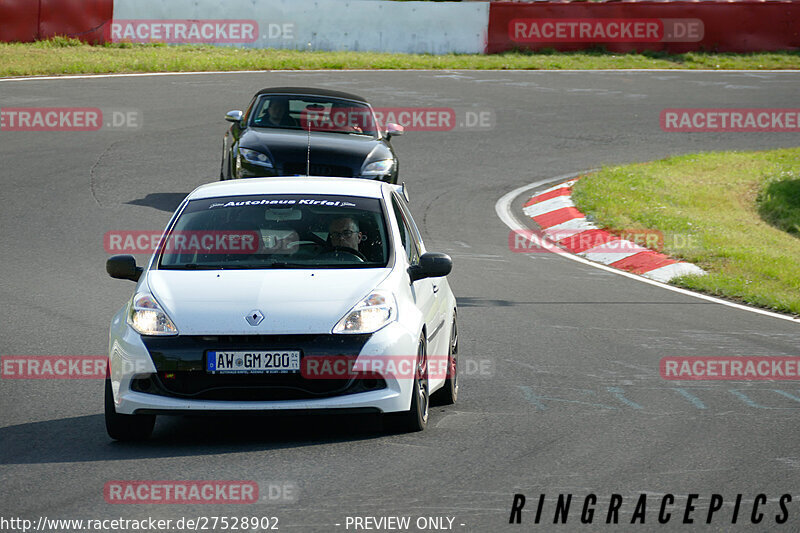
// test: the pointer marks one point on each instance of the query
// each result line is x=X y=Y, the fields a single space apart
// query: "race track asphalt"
x=570 y=400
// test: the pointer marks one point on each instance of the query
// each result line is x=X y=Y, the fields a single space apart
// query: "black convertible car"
x=297 y=131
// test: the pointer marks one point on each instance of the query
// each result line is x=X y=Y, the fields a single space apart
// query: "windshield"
x=316 y=113
x=277 y=231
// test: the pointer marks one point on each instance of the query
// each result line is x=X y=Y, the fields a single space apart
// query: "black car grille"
x=318 y=170
x=260 y=387
x=181 y=373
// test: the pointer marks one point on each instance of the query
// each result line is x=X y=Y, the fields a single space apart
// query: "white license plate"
x=251 y=362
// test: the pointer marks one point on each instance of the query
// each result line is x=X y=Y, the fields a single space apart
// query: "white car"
x=294 y=294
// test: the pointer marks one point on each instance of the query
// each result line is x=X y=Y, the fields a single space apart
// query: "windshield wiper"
x=191 y=266
x=267 y=266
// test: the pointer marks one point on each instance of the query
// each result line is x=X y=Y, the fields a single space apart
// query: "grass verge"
x=69 y=56
x=735 y=214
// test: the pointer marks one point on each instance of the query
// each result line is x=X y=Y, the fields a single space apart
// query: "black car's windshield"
x=277 y=231
x=315 y=113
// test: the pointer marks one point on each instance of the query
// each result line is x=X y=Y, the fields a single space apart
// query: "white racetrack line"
x=567 y=71
x=509 y=218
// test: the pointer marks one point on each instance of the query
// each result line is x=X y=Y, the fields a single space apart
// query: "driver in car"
x=277 y=114
x=344 y=233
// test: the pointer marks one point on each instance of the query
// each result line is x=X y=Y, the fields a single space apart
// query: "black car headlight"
x=255 y=157
x=377 y=168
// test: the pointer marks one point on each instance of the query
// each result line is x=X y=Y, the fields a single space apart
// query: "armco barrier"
x=416 y=27
x=19 y=20
x=676 y=27
x=358 y=25
x=29 y=20
x=86 y=20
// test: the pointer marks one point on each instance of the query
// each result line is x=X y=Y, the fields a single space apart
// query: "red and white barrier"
x=32 y=20
x=676 y=27
x=563 y=224
x=415 y=27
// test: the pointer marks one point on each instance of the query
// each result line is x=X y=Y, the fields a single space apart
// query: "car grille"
x=181 y=373
x=260 y=387
x=318 y=170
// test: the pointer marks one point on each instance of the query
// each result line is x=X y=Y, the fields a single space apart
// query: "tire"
x=222 y=163
x=448 y=394
x=126 y=427
x=416 y=418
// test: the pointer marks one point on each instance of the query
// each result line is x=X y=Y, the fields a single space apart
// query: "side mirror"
x=393 y=129
x=234 y=116
x=123 y=267
x=431 y=265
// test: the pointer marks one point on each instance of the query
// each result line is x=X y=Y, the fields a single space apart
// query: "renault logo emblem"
x=254 y=317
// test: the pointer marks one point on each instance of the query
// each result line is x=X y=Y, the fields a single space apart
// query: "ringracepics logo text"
x=651 y=509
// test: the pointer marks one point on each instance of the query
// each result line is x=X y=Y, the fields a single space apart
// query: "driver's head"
x=278 y=109
x=344 y=232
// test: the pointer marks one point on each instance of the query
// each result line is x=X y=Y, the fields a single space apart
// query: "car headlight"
x=255 y=157
x=378 y=168
x=369 y=315
x=147 y=317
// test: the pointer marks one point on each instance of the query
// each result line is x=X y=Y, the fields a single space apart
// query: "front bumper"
x=167 y=374
x=248 y=170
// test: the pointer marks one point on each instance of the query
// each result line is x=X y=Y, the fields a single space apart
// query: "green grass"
x=68 y=56
x=779 y=202
x=735 y=214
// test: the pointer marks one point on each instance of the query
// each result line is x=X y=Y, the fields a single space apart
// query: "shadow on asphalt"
x=176 y=436
x=163 y=201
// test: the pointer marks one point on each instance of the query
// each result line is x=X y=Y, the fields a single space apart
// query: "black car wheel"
x=126 y=427
x=416 y=418
x=448 y=394
x=222 y=163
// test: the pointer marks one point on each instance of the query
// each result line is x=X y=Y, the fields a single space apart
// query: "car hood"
x=291 y=146
x=216 y=302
